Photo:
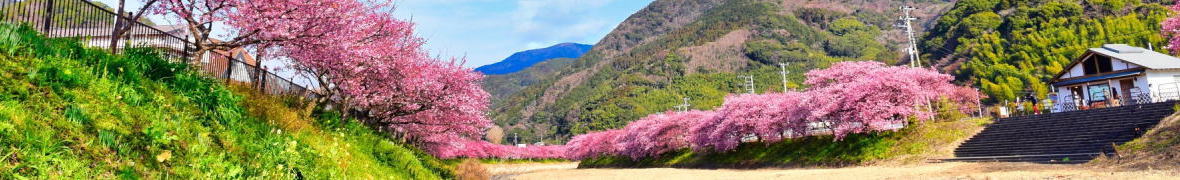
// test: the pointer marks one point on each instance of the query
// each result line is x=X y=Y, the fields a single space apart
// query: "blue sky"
x=487 y=31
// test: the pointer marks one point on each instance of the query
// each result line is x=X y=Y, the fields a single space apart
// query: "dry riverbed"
x=922 y=171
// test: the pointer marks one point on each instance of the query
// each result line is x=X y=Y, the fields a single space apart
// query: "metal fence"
x=93 y=24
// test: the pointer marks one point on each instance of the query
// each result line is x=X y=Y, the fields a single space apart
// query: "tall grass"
x=67 y=111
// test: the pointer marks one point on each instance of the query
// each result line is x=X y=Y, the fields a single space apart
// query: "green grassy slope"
x=78 y=113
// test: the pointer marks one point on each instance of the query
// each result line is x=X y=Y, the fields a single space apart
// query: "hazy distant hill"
x=525 y=59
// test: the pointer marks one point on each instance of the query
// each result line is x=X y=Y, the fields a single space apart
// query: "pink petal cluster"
x=593 y=144
x=849 y=97
x=659 y=133
x=767 y=117
x=1171 y=29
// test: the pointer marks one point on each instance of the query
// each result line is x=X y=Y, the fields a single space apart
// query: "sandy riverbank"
x=921 y=171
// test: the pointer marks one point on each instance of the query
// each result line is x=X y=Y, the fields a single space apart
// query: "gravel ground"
x=508 y=171
x=921 y=171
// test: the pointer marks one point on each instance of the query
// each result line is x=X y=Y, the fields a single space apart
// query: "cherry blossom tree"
x=855 y=97
x=766 y=117
x=659 y=133
x=593 y=144
x=1171 y=29
x=260 y=22
x=369 y=63
x=382 y=72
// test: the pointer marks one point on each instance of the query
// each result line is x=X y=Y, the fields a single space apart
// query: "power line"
x=912 y=49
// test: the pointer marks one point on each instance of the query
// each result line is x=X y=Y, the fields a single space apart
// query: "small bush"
x=470 y=169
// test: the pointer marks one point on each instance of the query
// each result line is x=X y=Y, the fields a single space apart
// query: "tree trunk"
x=118 y=30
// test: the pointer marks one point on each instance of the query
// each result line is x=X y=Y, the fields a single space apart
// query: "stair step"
x=1038 y=138
x=1078 y=136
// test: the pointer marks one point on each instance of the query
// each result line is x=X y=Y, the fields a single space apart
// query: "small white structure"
x=1116 y=74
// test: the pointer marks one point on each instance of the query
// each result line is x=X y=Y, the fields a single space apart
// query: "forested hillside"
x=696 y=49
x=1010 y=49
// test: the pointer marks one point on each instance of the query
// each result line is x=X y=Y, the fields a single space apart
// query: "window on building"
x=1098 y=92
x=1097 y=64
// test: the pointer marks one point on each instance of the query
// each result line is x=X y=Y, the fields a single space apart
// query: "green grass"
x=78 y=113
x=914 y=144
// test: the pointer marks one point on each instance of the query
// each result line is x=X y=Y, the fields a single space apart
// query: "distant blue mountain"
x=525 y=59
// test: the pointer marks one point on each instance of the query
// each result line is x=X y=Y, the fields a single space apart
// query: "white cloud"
x=535 y=15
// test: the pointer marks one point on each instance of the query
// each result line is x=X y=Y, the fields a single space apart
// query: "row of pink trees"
x=484 y=149
x=849 y=97
x=368 y=62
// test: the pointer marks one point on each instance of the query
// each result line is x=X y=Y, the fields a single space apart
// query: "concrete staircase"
x=1067 y=137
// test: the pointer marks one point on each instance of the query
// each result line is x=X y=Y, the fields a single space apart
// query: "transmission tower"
x=784 y=73
x=906 y=23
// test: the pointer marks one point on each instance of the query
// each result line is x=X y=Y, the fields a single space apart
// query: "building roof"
x=1094 y=78
x=1139 y=56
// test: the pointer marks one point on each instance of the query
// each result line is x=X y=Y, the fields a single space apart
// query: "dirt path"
x=923 y=171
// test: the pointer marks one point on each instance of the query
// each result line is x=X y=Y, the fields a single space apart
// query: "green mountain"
x=696 y=49
x=1011 y=48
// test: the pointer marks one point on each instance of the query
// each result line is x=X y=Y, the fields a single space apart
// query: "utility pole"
x=683 y=106
x=749 y=83
x=784 y=73
x=912 y=49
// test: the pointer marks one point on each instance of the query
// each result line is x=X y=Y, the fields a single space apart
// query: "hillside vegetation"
x=696 y=49
x=79 y=113
x=1010 y=49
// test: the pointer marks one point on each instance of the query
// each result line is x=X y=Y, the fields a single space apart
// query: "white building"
x=1116 y=74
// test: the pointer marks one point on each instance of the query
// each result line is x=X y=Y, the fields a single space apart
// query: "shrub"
x=470 y=169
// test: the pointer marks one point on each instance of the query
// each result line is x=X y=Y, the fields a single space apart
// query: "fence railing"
x=1065 y=103
x=93 y=25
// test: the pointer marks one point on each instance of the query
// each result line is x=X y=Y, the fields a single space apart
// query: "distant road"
x=922 y=171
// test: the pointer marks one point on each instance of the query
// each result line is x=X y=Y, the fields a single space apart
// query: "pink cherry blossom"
x=1171 y=29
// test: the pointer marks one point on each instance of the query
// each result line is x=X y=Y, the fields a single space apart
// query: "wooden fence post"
x=229 y=68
